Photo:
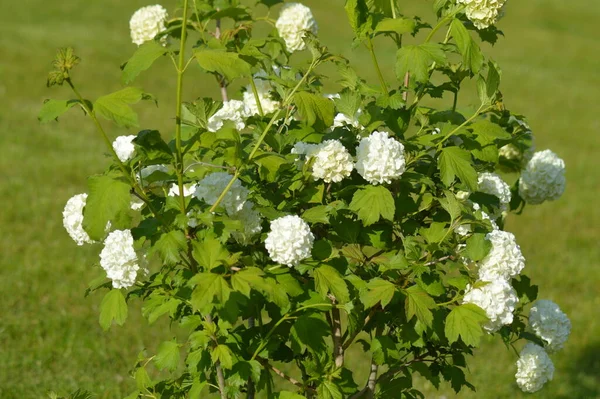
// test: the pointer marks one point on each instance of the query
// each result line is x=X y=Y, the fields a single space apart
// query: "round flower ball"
x=263 y=90
x=73 y=219
x=380 y=159
x=289 y=241
x=331 y=161
x=123 y=146
x=498 y=299
x=251 y=222
x=210 y=188
x=147 y=22
x=232 y=110
x=550 y=324
x=543 y=179
x=534 y=368
x=293 y=21
x=483 y=13
x=119 y=260
x=491 y=183
x=505 y=260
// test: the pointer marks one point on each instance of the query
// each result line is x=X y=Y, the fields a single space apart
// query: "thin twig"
x=338 y=349
x=220 y=377
x=280 y=373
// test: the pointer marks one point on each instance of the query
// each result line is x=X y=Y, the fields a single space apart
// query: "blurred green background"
x=49 y=334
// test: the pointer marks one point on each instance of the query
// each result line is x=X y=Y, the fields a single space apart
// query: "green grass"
x=49 y=335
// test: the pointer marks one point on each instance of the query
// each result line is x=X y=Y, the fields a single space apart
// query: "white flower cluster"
x=543 y=179
x=232 y=110
x=73 y=219
x=210 y=188
x=483 y=13
x=263 y=89
x=293 y=21
x=504 y=261
x=289 y=241
x=491 y=183
x=119 y=260
x=380 y=159
x=251 y=221
x=498 y=299
x=331 y=160
x=534 y=368
x=123 y=146
x=188 y=190
x=550 y=324
x=147 y=22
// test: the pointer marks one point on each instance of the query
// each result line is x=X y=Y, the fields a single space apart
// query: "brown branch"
x=338 y=349
x=369 y=389
x=220 y=377
x=406 y=82
x=221 y=78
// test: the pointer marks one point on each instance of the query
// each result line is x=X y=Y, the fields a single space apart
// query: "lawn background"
x=49 y=335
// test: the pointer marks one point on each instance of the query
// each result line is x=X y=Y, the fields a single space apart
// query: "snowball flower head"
x=550 y=324
x=251 y=222
x=293 y=21
x=187 y=190
x=331 y=160
x=147 y=22
x=543 y=179
x=289 y=241
x=123 y=146
x=232 y=110
x=466 y=229
x=534 y=368
x=263 y=89
x=491 y=183
x=380 y=158
x=210 y=188
x=73 y=219
x=505 y=260
x=483 y=13
x=119 y=260
x=498 y=299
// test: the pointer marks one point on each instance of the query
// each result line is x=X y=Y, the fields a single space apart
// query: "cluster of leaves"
x=387 y=270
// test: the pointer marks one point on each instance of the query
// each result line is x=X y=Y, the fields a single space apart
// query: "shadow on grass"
x=583 y=375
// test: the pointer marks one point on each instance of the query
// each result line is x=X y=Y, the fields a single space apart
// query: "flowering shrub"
x=278 y=228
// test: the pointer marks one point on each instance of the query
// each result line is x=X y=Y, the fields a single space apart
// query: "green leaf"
x=153 y=147
x=113 y=307
x=435 y=232
x=208 y=287
x=108 y=200
x=142 y=379
x=225 y=63
x=493 y=79
x=317 y=214
x=328 y=279
x=210 y=253
x=373 y=203
x=328 y=390
x=310 y=331
x=525 y=290
x=417 y=59
x=358 y=16
x=196 y=389
x=454 y=161
x=451 y=205
x=397 y=25
x=223 y=355
x=169 y=245
x=248 y=278
x=167 y=356
x=465 y=321
x=314 y=108
x=418 y=303
x=472 y=57
x=142 y=59
x=52 y=109
x=349 y=102
x=487 y=132
x=378 y=290
x=288 y=395
x=477 y=247
x=115 y=106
